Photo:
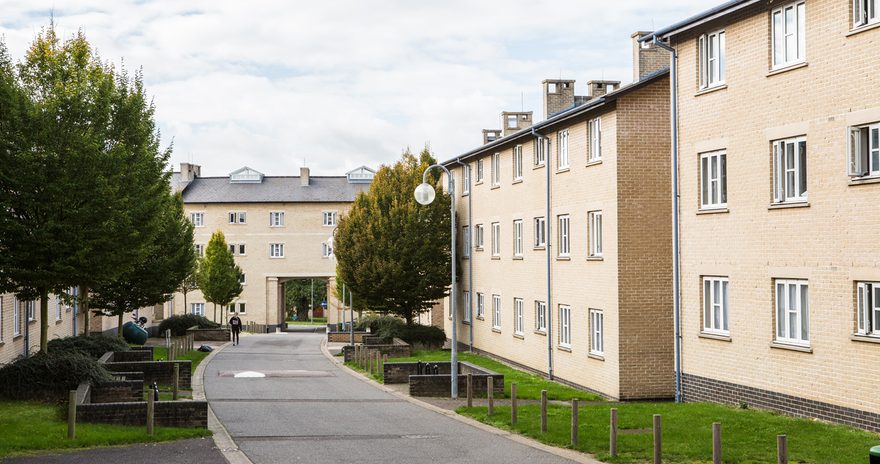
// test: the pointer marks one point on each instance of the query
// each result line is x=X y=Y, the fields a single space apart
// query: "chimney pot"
x=304 y=177
x=558 y=96
x=647 y=57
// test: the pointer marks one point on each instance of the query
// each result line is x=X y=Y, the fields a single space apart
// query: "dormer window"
x=246 y=175
x=361 y=175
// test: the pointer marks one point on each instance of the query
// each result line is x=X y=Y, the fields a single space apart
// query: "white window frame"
x=712 y=59
x=790 y=173
x=868 y=308
x=467 y=306
x=16 y=317
x=238 y=217
x=197 y=219
x=243 y=278
x=518 y=238
x=540 y=230
x=276 y=250
x=541 y=147
x=466 y=241
x=518 y=319
x=594 y=225
x=31 y=310
x=713 y=179
x=201 y=309
x=564 y=225
x=326 y=250
x=863 y=150
x=562 y=159
x=329 y=218
x=716 y=305
x=481 y=305
x=597 y=332
x=788 y=40
x=479 y=179
x=496 y=239
x=479 y=236
x=465 y=179
x=1 y=319
x=276 y=218
x=865 y=13
x=796 y=332
x=595 y=126
x=496 y=312
x=496 y=169
x=565 y=326
x=57 y=307
x=540 y=316
x=200 y=249
x=517 y=164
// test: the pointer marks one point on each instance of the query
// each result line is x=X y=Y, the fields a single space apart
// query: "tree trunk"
x=44 y=320
x=215 y=312
x=84 y=305
x=184 y=302
x=119 y=329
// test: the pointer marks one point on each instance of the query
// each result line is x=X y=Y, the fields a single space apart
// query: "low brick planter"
x=438 y=385
x=190 y=414
x=396 y=349
x=210 y=335
x=345 y=337
x=161 y=372
x=119 y=391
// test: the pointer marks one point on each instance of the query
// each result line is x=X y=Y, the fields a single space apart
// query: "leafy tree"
x=190 y=282
x=392 y=252
x=300 y=292
x=219 y=276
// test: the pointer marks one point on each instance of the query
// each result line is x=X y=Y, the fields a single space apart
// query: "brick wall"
x=396 y=350
x=345 y=337
x=189 y=414
x=439 y=386
x=210 y=335
x=117 y=392
x=156 y=371
x=129 y=356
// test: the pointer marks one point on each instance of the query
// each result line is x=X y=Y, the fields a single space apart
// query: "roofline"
x=559 y=117
x=276 y=177
x=262 y=202
x=698 y=19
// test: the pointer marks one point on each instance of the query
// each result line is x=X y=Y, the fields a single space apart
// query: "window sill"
x=786 y=346
x=540 y=332
x=791 y=67
x=567 y=349
x=16 y=337
x=538 y=166
x=496 y=330
x=58 y=321
x=496 y=257
x=865 y=338
x=864 y=180
x=517 y=181
x=561 y=170
x=479 y=249
x=466 y=257
x=799 y=204
x=595 y=162
x=712 y=336
x=712 y=211
x=595 y=258
x=464 y=194
x=482 y=318
x=708 y=90
x=598 y=357
x=519 y=336
x=864 y=28
x=563 y=258
x=479 y=182
x=495 y=187
x=539 y=248
x=517 y=258
x=466 y=322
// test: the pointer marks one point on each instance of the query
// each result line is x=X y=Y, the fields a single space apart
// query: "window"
x=57 y=307
x=868 y=308
x=517 y=238
x=517 y=163
x=595 y=139
x=466 y=241
x=564 y=236
x=16 y=318
x=238 y=217
x=565 y=326
x=242 y=279
x=511 y=121
x=276 y=219
x=864 y=151
x=518 y=316
x=241 y=249
x=597 y=323
x=540 y=232
x=541 y=148
x=241 y=308
x=481 y=309
x=792 y=312
x=31 y=314
x=562 y=149
x=1 y=319
x=478 y=236
x=238 y=249
x=479 y=171
x=496 y=239
x=496 y=169
x=788 y=34
x=197 y=219
x=276 y=250
x=198 y=309
x=496 y=311
x=540 y=316
x=594 y=220
x=467 y=306
x=712 y=59
x=790 y=170
x=715 y=305
x=465 y=179
x=326 y=250
x=865 y=12
x=329 y=218
x=713 y=180
x=200 y=249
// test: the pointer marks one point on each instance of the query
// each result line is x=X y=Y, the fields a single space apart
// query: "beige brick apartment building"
x=598 y=221
x=20 y=324
x=779 y=122
x=277 y=227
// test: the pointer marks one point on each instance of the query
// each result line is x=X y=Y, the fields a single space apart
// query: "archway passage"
x=305 y=299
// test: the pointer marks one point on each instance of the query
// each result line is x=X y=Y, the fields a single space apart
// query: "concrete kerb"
x=222 y=440
x=561 y=452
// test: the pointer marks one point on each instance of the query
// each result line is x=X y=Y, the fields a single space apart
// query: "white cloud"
x=344 y=83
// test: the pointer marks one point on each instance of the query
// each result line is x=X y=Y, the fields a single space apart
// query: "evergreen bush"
x=179 y=324
x=49 y=376
x=93 y=346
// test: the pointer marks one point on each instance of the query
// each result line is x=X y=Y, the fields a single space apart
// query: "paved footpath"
x=308 y=409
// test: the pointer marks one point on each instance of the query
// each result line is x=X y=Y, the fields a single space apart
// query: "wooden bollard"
x=658 y=445
x=716 y=443
x=71 y=416
x=378 y=360
x=384 y=361
x=470 y=390
x=370 y=362
x=512 y=404
x=543 y=411
x=574 y=422
x=175 y=386
x=781 y=449
x=612 y=439
x=151 y=405
x=490 y=394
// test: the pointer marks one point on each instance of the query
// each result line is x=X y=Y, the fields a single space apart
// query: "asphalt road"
x=309 y=410
x=194 y=451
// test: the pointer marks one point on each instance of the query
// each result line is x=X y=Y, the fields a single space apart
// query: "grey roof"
x=272 y=190
x=708 y=15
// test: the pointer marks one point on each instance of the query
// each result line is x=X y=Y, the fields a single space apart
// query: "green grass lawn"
x=32 y=428
x=749 y=436
x=196 y=356
x=528 y=386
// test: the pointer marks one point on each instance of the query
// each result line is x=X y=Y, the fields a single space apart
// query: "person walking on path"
x=235 y=325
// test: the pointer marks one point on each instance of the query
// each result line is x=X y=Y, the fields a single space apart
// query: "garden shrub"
x=49 y=376
x=379 y=324
x=427 y=335
x=179 y=324
x=93 y=346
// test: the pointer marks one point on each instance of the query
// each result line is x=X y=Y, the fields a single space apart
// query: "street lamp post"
x=425 y=195
x=350 y=296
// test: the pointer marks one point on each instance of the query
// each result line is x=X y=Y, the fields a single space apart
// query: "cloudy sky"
x=339 y=84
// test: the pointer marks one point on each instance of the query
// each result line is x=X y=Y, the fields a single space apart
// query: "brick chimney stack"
x=491 y=135
x=189 y=171
x=558 y=96
x=515 y=121
x=647 y=57
x=304 y=177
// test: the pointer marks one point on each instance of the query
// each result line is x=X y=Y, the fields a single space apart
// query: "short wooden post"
x=658 y=445
x=378 y=360
x=543 y=411
x=150 y=413
x=470 y=390
x=512 y=404
x=384 y=361
x=71 y=416
x=176 y=382
x=370 y=362
x=354 y=357
x=574 y=422
x=781 y=449
x=490 y=394
x=716 y=443
x=612 y=439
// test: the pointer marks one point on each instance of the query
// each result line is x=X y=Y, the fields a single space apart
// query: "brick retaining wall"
x=190 y=414
x=156 y=371
x=210 y=335
x=117 y=392
x=345 y=337
x=438 y=385
x=397 y=349
x=134 y=355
